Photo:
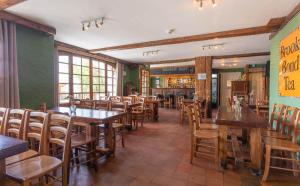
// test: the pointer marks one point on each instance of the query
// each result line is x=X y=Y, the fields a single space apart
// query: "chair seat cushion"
x=281 y=144
x=32 y=167
x=207 y=134
x=20 y=157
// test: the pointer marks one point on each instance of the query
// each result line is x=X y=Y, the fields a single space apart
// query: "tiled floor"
x=158 y=154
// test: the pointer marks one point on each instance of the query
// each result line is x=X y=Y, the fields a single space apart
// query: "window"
x=111 y=81
x=98 y=79
x=85 y=78
x=81 y=78
x=144 y=84
x=63 y=78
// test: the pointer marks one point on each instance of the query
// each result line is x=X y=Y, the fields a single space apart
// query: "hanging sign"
x=289 y=67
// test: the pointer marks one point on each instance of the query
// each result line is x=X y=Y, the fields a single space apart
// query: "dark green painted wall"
x=35 y=51
x=132 y=75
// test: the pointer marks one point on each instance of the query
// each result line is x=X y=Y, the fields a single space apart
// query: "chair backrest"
x=296 y=133
x=152 y=98
x=199 y=112
x=58 y=133
x=138 y=109
x=102 y=105
x=3 y=115
x=103 y=98
x=127 y=99
x=140 y=100
x=86 y=104
x=34 y=130
x=14 y=124
x=276 y=116
x=119 y=107
x=115 y=98
x=192 y=117
x=288 y=120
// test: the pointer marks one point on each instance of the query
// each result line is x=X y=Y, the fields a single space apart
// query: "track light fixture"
x=200 y=3
x=213 y=46
x=87 y=24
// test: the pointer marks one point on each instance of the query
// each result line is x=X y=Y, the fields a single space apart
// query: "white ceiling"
x=133 y=21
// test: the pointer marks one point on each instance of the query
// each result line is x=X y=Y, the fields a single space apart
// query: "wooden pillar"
x=204 y=87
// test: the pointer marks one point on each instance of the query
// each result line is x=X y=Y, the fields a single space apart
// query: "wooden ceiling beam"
x=272 y=26
x=214 y=57
x=8 y=3
x=242 y=55
x=26 y=22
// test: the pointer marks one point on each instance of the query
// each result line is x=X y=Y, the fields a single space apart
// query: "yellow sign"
x=289 y=67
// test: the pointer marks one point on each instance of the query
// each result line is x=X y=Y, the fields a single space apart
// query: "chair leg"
x=217 y=152
x=192 y=150
x=65 y=176
x=295 y=167
x=267 y=163
x=122 y=139
x=26 y=183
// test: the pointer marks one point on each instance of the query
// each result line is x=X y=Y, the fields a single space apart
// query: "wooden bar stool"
x=203 y=142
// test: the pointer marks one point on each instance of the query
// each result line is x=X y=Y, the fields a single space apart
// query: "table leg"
x=223 y=146
x=181 y=114
x=2 y=168
x=256 y=150
x=109 y=136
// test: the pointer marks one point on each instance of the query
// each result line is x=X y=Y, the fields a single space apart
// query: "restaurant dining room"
x=150 y=93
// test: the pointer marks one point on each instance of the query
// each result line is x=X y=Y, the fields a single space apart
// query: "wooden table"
x=154 y=105
x=185 y=103
x=94 y=117
x=10 y=147
x=228 y=118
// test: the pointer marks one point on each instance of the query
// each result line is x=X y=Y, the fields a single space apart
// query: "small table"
x=94 y=117
x=154 y=106
x=10 y=147
x=227 y=117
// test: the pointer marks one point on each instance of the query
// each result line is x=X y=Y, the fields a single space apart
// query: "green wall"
x=35 y=52
x=132 y=75
x=275 y=58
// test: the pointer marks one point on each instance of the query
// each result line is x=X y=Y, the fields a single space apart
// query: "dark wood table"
x=10 y=147
x=228 y=118
x=94 y=117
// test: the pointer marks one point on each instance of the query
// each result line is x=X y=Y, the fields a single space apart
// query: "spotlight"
x=99 y=23
x=214 y=3
x=86 y=25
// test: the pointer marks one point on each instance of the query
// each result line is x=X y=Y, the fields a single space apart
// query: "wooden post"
x=204 y=87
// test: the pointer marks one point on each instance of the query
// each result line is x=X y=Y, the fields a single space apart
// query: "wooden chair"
x=3 y=116
x=14 y=124
x=115 y=98
x=138 y=116
x=292 y=148
x=127 y=99
x=168 y=103
x=203 y=124
x=45 y=166
x=134 y=98
x=259 y=111
x=276 y=120
x=203 y=142
x=119 y=125
x=179 y=102
x=88 y=104
x=34 y=132
x=102 y=105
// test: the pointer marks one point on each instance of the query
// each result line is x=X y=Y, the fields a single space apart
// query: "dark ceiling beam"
x=26 y=22
x=272 y=26
x=8 y=3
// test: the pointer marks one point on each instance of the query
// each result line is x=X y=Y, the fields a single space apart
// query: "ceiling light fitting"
x=151 y=53
x=213 y=46
x=200 y=3
x=87 y=24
